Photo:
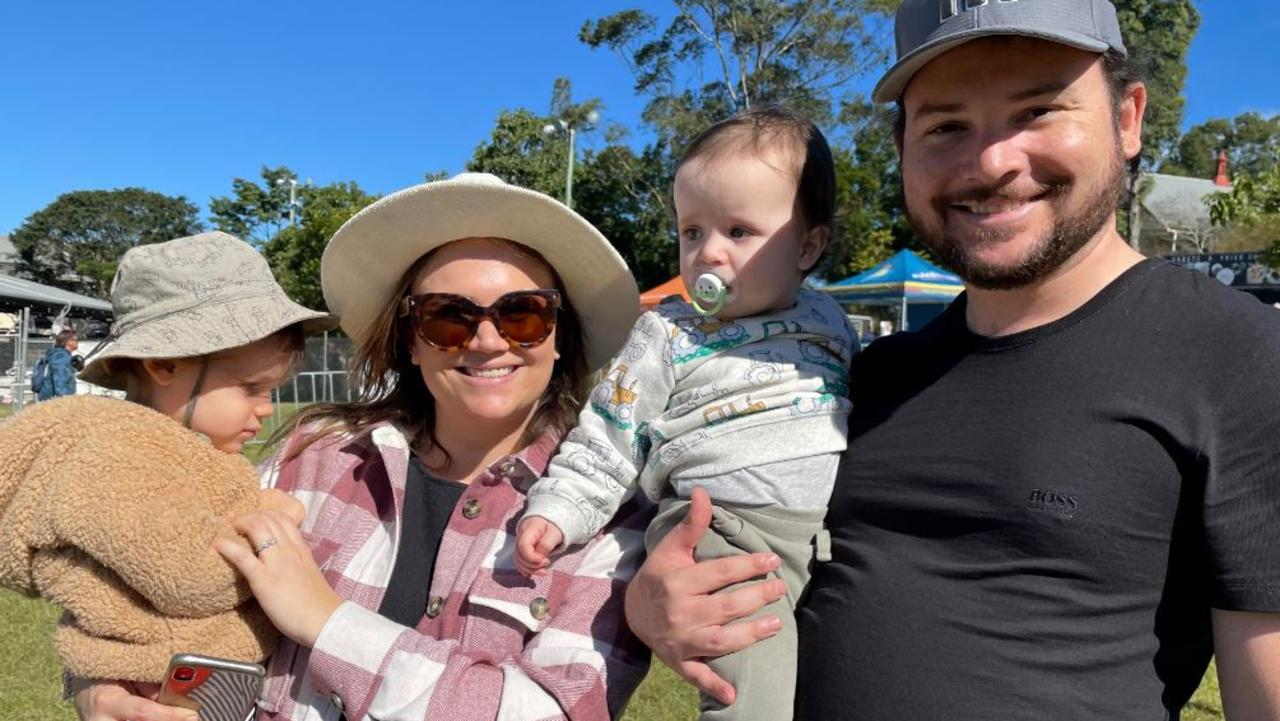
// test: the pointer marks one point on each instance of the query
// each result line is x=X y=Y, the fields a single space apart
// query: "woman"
x=399 y=595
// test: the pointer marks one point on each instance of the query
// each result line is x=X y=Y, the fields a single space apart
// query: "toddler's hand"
x=536 y=538
x=273 y=499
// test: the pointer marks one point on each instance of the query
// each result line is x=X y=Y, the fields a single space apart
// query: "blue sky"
x=180 y=97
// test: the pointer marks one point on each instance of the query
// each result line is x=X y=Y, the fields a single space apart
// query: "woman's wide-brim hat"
x=366 y=259
x=190 y=297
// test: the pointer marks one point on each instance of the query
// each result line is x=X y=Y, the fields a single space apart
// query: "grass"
x=31 y=685
x=1206 y=704
x=256 y=449
x=662 y=697
x=30 y=675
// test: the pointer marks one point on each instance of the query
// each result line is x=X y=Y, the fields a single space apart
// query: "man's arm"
x=1248 y=649
x=673 y=606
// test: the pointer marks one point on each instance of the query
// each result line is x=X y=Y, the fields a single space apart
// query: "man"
x=59 y=376
x=1062 y=496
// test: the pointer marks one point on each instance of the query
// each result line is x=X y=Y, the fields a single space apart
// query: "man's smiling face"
x=1013 y=156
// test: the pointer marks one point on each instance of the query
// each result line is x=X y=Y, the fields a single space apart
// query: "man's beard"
x=1071 y=230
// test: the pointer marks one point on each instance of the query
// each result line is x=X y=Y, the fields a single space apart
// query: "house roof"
x=1178 y=202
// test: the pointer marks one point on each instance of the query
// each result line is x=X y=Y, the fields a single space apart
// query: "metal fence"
x=322 y=375
x=322 y=378
x=19 y=353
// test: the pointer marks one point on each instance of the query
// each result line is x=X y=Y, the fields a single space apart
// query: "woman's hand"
x=123 y=701
x=283 y=575
x=672 y=604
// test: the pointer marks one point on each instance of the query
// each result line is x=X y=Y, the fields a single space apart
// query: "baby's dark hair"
x=760 y=130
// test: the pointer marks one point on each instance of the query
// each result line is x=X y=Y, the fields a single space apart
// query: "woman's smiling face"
x=488 y=380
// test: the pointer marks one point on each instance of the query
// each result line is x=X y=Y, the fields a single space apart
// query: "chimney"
x=1221 y=180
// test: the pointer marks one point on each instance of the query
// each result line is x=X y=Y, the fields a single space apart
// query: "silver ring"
x=258 y=549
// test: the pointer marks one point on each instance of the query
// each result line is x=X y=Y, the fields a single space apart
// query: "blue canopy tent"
x=903 y=279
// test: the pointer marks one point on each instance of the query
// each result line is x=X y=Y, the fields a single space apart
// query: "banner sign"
x=1238 y=270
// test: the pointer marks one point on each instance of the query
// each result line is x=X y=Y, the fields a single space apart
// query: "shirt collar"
x=521 y=468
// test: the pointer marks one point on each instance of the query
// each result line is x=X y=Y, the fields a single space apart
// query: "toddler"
x=109 y=507
x=743 y=392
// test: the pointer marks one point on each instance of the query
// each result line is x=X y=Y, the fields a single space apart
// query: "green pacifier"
x=709 y=294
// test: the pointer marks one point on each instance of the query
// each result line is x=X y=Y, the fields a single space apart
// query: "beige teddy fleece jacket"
x=109 y=509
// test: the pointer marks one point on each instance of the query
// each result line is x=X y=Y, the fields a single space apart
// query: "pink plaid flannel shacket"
x=499 y=646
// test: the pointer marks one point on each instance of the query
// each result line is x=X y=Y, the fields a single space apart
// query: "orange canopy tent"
x=654 y=296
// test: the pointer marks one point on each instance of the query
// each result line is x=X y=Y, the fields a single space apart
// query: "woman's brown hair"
x=392 y=389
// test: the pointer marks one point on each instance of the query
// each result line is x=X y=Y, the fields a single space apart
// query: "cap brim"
x=895 y=81
x=201 y=331
x=365 y=260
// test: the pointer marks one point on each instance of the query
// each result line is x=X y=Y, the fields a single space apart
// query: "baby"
x=743 y=392
x=109 y=507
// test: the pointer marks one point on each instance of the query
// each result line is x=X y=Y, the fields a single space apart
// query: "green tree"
x=255 y=213
x=870 y=222
x=76 y=241
x=716 y=57
x=1252 y=143
x=294 y=253
x=532 y=150
x=1196 y=153
x=1250 y=212
x=519 y=152
x=627 y=196
x=1157 y=34
x=622 y=192
x=798 y=53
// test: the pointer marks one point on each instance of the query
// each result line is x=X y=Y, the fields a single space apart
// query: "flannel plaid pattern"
x=501 y=647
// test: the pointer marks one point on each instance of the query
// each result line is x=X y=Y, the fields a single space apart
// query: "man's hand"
x=1248 y=649
x=123 y=701
x=672 y=604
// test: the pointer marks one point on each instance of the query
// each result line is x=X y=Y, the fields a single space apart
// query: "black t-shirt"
x=428 y=503
x=1036 y=526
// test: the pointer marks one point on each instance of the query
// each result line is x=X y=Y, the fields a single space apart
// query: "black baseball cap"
x=925 y=29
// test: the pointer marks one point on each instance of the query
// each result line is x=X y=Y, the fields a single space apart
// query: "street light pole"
x=550 y=129
x=568 y=180
x=293 y=202
x=293 y=198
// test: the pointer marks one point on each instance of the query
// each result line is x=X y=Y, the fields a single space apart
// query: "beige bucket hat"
x=367 y=257
x=190 y=297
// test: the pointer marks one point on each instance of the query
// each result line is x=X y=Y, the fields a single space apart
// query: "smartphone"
x=215 y=688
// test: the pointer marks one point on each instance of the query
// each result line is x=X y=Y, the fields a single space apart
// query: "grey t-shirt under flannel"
x=692 y=397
